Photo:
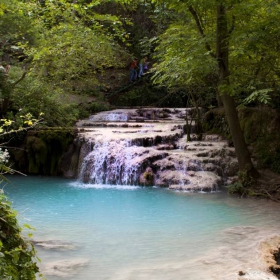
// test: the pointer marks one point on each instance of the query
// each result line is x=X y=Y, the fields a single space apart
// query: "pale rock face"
x=148 y=147
x=202 y=180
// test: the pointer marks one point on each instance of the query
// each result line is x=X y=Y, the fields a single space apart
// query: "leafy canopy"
x=76 y=42
x=187 y=49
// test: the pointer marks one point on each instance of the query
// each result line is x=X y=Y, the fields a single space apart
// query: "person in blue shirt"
x=142 y=65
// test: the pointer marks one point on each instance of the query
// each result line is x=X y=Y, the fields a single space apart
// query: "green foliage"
x=141 y=27
x=186 y=51
x=7 y=129
x=145 y=46
x=76 y=42
x=242 y=185
x=237 y=188
x=62 y=48
x=134 y=96
x=36 y=96
x=142 y=96
x=17 y=255
x=259 y=96
x=245 y=179
x=95 y=107
x=16 y=29
x=214 y=121
x=24 y=122
x=5 y=87
x=182 y=58
x=268 y=152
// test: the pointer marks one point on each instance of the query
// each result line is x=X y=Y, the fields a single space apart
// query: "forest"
x=64 y=60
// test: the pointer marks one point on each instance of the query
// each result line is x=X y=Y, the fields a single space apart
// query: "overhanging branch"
x=199 y=26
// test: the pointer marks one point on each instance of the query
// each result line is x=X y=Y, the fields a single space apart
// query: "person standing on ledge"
x=132 y=70
x=142 y=64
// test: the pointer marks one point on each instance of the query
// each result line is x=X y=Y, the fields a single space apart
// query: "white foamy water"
x=81 y=185
x=111 y=162
x=117 y=116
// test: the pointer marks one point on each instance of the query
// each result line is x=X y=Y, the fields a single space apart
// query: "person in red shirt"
x=133 y=70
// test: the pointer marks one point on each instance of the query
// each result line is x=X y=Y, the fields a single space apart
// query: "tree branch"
x=20 y=79
x=270 y=196
x=21 y=129
x=232 y=25
x=198 y=24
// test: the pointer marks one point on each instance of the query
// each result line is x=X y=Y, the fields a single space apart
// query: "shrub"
x=16 y=254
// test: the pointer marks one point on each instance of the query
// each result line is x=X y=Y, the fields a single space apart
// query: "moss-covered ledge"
x=40 y=151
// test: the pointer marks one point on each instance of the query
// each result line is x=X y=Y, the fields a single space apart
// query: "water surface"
x=123 y=232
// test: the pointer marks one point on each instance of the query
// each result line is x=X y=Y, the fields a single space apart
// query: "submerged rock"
x=54 y=244
x=64 y=268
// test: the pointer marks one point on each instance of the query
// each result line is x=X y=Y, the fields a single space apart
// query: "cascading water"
x=110 y=163
x=128 y=148
x=115 y=116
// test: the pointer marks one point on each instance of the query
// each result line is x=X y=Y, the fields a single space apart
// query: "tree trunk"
x=219 y=99
x=198 y=124
x=188 y=125
x=222 y=53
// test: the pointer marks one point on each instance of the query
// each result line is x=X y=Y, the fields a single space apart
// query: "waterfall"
x=110 y=162
x=119 y=149
x=115 y=116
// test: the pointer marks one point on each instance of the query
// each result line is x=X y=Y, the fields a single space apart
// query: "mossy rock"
x=45 y=149
x=214 y=121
